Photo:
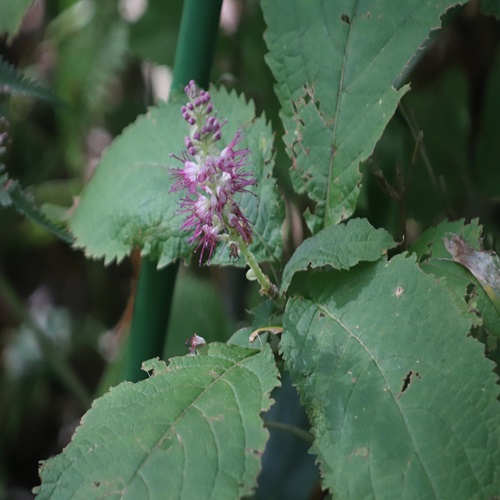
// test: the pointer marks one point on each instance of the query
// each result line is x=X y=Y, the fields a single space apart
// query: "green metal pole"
x=193 y=61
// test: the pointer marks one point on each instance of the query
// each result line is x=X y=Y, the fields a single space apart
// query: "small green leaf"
x=403 y=403
x=128 y=204
x=335 y=64
x=12 y=194
x=13 y=82
x=435 y=259
x=192 y=430
x=339 y=247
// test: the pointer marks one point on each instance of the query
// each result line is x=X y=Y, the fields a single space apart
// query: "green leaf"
x=335 y=64
x=431 y=241
x=435 y=259
x=403 y=403
x=339 y=247
x=192 y=430
x=128 y=204
x=11 y=194
x=11 y=15
x=13 y=82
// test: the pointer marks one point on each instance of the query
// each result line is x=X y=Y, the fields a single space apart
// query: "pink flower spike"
x=211 y=177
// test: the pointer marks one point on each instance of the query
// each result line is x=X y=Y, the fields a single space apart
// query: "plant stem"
x=49 y=350
x=193 y=61
x=291 y=429
x=266 y=287
x=153 y=299
x=196 y=44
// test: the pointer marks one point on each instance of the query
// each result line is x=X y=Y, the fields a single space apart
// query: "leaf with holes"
x=128 y=204
x=335 y=64
x=193 y=427
x=402 y=402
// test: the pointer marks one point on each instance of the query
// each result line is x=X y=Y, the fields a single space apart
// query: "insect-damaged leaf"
x=335 y=64
x=402 y=402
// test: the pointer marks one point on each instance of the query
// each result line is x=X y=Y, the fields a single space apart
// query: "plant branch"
x=193 y=60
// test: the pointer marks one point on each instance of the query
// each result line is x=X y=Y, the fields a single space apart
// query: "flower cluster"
x=211 y=178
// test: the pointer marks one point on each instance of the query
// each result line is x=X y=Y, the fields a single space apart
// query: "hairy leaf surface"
x=335 y=64
x=403 y=404
x=128 y=204
x=192 y=430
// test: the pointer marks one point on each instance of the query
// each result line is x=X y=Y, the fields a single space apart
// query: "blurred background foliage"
x=63 y=318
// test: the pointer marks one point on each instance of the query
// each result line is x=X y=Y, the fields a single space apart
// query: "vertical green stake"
x=193 y=61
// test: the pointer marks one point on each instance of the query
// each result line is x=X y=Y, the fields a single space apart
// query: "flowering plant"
x=375 y=340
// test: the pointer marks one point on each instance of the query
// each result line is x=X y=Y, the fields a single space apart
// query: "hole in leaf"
x=408 y=380
x=345 y=19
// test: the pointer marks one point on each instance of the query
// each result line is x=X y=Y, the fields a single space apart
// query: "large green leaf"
x=339 y=247
x=403 y=403
x=128 y=202
x=192 y=430
x=11 y=15
x=335 y=64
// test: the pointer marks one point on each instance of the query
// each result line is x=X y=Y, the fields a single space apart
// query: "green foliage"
x=11 y=193
x=128 y=204
x=336 y=65
x=195 y=421
x=91 y=40
x=339 y=247
x=435 y=259
x=11 y=15
x=13 y=82
x=388 y=382
x=391 y=341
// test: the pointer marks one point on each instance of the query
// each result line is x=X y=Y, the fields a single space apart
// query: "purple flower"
x=211 y=178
